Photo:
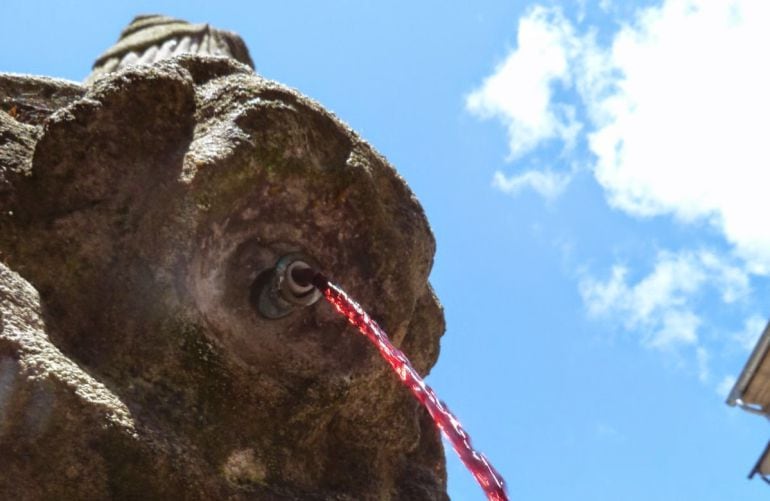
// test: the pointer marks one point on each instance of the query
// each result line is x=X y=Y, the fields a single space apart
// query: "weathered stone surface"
x=135 y=216
x=31 y=99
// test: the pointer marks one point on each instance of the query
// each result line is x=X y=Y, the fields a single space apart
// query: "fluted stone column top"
x=151 y=38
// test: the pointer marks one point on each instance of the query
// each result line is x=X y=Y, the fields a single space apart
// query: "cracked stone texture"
x=135 y=213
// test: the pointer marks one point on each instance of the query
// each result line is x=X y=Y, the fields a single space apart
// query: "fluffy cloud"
x=548 y=184
x=672 y=111
x=520 y=91
x=725 y=385
x=752 y=329
x=680 y=126
x=662 y=306
x=676 y=107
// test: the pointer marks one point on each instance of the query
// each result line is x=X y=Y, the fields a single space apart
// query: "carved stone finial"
x=151 y=38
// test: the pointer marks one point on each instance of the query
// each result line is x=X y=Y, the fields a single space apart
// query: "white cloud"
x=662 y=306
x=752 y=329
x=548 y=184
x=656 y=306
x=678 y=326
x=681 y=124
x=732 y=281
x=520 y=90
x=725 y=385
x=677 y=107
x=673 y=113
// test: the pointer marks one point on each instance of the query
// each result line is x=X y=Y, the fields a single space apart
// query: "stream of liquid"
x=488 y=478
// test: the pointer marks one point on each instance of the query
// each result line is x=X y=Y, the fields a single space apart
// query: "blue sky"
x=595 y=175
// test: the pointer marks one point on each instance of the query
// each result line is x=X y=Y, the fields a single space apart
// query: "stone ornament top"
x=151 y=38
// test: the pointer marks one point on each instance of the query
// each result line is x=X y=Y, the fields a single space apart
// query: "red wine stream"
x=488 y=478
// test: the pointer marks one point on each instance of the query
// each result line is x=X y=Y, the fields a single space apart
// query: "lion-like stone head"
x=141 y=209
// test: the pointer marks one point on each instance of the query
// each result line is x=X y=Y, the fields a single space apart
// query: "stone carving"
x=136 y=210
x=152 y=38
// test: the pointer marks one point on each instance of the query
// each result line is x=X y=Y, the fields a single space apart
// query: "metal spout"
x=286 y=287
